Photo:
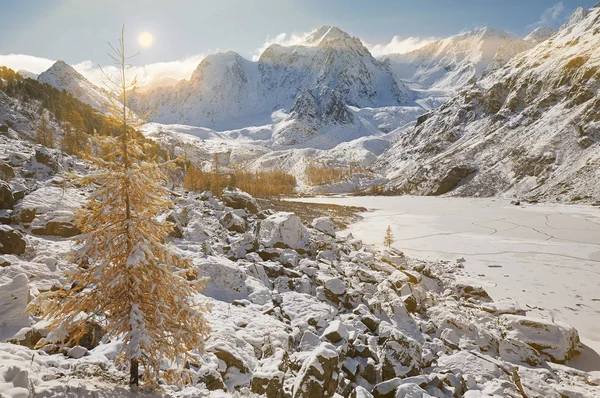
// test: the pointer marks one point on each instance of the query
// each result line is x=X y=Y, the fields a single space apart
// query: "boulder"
x=557 y=340
x=11 y=241
x=91 y=337
x=400 y=356
x=44 y=156
x=283 y=230
x=238 y=199
x=211 y=378
x=24 y=215
x=7 y=200
x=318 y=376
x=56 y=223
x=77 y=352
x=7 y=173
x=391 y=388
x=325 y=225
x=469 y=291
x=336 y=332
x=268 y=384
x=518 y=352
x=229 y=356
x=234 y=223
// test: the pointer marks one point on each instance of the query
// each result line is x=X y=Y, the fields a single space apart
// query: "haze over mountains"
x=328 y=99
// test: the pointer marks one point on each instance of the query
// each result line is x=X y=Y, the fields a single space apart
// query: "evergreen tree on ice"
x=388 y=239
x=125 y=271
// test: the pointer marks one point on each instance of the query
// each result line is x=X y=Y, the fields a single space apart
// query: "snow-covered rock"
x=319 y=373
x=283 y=229
x=325 y=225
x=557 y=340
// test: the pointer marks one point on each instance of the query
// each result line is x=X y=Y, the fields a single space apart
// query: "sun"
x=145 y=39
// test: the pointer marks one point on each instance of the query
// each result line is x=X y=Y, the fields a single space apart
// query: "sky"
x=35 y=33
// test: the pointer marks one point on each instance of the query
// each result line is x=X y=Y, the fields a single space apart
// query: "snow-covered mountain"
x=531 y=128
x=456 y=61
x=540 y=34
x=64 y=77
x=227 y=91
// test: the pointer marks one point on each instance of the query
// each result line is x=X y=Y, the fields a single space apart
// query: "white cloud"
x=550 y=15
x=399 y=45
x=27 y=62
x=283 y=39
x=146 y=74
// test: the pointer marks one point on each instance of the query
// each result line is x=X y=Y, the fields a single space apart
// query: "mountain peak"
x=326 y=34
x=486 y=32
x=540 y=34
x=63 y=76
x=578 y=16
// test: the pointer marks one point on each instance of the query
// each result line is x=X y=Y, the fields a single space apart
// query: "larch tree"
x=126 y=276
x=43 y=134
x=75 y=140
x=388 y=239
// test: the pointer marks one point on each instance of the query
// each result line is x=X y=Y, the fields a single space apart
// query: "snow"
x=14 y=296
x=544 y=256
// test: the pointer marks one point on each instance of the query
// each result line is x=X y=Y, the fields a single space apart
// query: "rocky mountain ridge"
x=529 y=129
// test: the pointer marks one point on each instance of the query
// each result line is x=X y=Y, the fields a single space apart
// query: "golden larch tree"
x=75 y=140
x=124 y=269
x=44 y=135
x=388 y=239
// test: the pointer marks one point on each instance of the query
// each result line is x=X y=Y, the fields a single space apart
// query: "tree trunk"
x=134 y=377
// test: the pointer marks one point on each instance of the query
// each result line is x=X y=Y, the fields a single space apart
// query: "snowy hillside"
x=456 y=61
x=531 y=128
x=65 y=77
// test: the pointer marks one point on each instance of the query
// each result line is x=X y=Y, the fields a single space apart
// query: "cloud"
x=399 y=45
x=27 y=62
x=550 y=15
x=282 y=39
x=146 y=74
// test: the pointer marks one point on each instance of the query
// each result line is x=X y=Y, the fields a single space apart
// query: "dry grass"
x=342 y=216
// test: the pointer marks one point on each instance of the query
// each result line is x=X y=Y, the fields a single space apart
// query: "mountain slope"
x=227 y=91
x=65 y=77
x=531 y=128
x=456 y=61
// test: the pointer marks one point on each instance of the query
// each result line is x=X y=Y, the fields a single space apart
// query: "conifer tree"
x=44 y=134
x=125 y=273
x=75 y=140
x=388 y=239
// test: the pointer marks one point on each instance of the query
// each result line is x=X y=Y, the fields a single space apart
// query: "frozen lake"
x=546 y=256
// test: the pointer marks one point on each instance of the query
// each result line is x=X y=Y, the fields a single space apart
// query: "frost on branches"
x=126 y=276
